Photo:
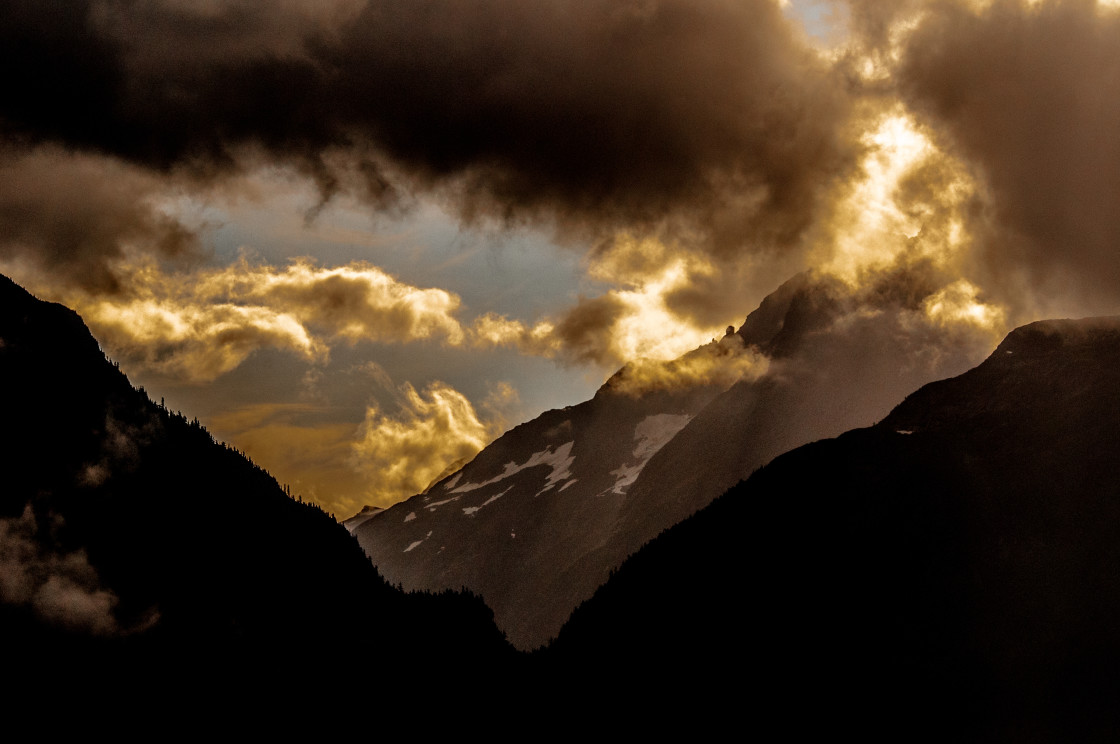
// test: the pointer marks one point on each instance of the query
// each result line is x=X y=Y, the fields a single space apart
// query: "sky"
x=359 y=239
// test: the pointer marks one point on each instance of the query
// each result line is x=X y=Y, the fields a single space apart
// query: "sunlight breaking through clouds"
x=633 y=319
x=908 y=203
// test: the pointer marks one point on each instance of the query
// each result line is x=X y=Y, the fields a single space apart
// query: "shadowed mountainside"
x=953 y=571
x=130 y=540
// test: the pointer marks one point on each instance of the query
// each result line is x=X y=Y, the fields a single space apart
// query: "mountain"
x=537 y=521
x=952 y=572
x=135 y=547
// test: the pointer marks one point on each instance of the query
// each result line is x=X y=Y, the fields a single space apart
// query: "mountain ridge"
x=534 y=528
x=952 y=571
x=135 y=546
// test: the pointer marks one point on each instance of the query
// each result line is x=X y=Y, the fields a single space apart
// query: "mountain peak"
x=1048 y=336
x=1048 y=359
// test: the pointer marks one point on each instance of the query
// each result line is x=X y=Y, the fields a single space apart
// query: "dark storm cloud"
x=1029 y=96
x=701 y=115
x=77 y=215
x=586 y=332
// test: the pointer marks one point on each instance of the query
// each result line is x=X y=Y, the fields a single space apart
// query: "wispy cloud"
x=61 y=588
x=402 y=453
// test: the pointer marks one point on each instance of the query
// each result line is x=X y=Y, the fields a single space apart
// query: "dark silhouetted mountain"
x=536 y=522
x=130 y=539
x=950 y=573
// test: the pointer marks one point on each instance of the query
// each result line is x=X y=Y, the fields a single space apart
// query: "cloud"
x=700 y=117
x=713 y=148
x=392 y=453
x=1028 y=95
x=954 y=166
x=719 y=364
x=711 y=126
x=61 y=588
x=201 y=324
x=78 y=216
x=401 y=454
x=354 y=302
x=661 y=301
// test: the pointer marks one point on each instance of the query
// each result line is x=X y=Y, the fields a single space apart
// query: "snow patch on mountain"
x=418 y=542
x=561 y=469
x=471 y=510
x=560 y=459
x=652 y=433
x=625 y=475
x=432 y=506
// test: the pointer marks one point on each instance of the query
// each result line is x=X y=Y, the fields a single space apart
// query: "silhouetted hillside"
x=952 y=573
x=131 y=541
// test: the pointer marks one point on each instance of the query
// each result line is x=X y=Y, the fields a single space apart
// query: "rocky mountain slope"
x=536 y=522
x=952 y=572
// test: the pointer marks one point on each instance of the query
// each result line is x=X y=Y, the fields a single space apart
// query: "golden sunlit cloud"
x=200 y=325
x=719 y=363
x=985 y=4
x=389 y=456
x=634 y=319
x=959 y=303
x=908 y=205
x=492 y=330
x=649 y=272
x=355 y=302
x=401 y=455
